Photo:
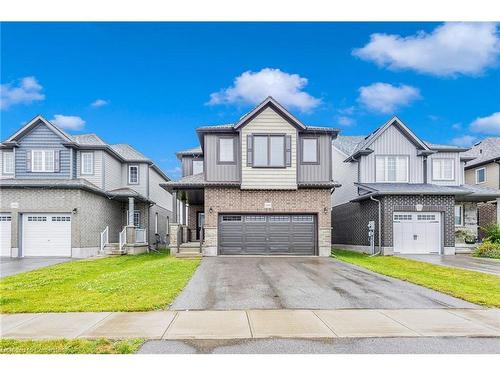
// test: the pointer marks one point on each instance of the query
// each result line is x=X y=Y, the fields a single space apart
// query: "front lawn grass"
x=475 y=287
x=125 y=283
x=74 y=346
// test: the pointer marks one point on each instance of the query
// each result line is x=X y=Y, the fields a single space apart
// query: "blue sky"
x=151 y=84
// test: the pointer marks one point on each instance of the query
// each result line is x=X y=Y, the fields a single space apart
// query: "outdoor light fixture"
x=419 y=207
x=325 y=210
x=74 y=211
x=211 y=210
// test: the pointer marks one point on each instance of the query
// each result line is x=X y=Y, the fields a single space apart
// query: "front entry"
x=257 y=234
x=200 y=222
x=417 y=232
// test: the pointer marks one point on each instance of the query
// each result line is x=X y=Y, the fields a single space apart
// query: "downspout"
x=379 y=227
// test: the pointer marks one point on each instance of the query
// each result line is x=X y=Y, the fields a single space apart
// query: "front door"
x=199 y=225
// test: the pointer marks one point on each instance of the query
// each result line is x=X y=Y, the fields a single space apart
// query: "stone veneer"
x=487 y=213
x=350 y=220
x=234 y=200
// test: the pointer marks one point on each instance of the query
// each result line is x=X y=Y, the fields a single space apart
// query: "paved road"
x=448 y=345
x=464 y=261
x=12 y=266
x=225 y=283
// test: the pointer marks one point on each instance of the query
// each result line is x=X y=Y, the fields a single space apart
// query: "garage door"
x=46 y=235
x=267 y=234
x=417 y=232
x=5 y=235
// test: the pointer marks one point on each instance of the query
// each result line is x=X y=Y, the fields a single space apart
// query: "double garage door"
x=417 y=232
x=45 y=234
x=256 y=234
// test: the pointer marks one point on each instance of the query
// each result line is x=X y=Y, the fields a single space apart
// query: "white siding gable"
x=268 y=122
x=346 y=174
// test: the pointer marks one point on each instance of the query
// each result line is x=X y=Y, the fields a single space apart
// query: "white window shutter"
x=288 y=150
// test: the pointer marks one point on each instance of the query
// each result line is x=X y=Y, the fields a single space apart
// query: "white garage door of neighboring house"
x=5 y=235
x=46 y=235
x=417 y=232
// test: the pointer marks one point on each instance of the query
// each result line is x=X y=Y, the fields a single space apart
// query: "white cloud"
x=464 y=141
x=253 y=87
x=487 y=125
x=68 y=122
x=456 y=126
x=386 y=98
x=450 y=49
x=26 y=91
x=99 y=103
x=346 y=121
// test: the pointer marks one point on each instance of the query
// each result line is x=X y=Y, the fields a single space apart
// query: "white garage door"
x=417 y=232
x=5 y=235
x=46 y=235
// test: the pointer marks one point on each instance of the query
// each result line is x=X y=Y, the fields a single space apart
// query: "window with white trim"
x=231 y=218
x=133 y=174
x=226 y=150
x=480 y=175
x=268 y=151
x=279 y=219
x=309 y=150
x=8 y=162
x=42 y=160
x=197 y=166
x=443 y=169
x=87 y=163
x=391 y=168
x=459 y=215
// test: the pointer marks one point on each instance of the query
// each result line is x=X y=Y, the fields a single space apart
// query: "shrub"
x=492 y=233
x=487 y=250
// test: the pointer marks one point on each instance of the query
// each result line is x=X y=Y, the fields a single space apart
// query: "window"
x=269 y=151
x=302 y=219
x=231 y=218
x=133 y=174
x=226 y=150
x=399 y=217
x=310 y=150
x=156 y=223
x=197 y=166
x=443 y=169
x=255 y=219
x=8 y=162
x=391 y=168
x=279 y=219
x=42 y=161
x=480 y=175
x=61 y=218
x=87 y=163
x=459 y=215
x=37 y=218
x=426 y=217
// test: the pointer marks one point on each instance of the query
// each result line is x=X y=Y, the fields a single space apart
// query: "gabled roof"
x=128 y=153
x=486 y=151
x=195 y=151
x=347 y=143
x=269 y=102
x=88 y=139
x=34 y=122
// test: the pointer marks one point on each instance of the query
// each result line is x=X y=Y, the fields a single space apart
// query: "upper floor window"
x=269 y=151
x=310 y=150
x=480 y=175
x=8 y=162
x=42 y=161
x=391 y=168
x=87 y=166
x=225 y=152
x=133 y=174
x=197 y=166
x=443 y=169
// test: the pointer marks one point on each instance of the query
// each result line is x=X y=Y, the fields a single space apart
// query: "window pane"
x=87 y=163
x=49 y=161
x=277 y=151
x=197 y=166
x=310 y=150
x=8 y=162
x=380 y=169
x=391 y=169
x=37 y=161
x=133 y=174
x=402 y=169
x=480 y=175
x=260 y=151
x=458 y=215
x=226 y=149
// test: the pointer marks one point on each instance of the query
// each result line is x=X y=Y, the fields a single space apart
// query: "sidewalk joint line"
x=176 y=314
x=404 y=325
x=327 y=326
x=478 y=322
x=249 y=324
x=20 y=324
x=93 y=325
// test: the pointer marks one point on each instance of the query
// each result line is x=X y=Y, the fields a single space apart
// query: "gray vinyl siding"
x=316 y=172
x=41 y=137
x=187 y=166
x=112 y=172
x=457 y=173
x=97 y=177
x=346 y=174
x=392 y=142
x=142 y=187
x=220 y=172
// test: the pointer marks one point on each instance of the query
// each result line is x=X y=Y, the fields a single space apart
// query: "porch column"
x=174 y=206
x=130 y=220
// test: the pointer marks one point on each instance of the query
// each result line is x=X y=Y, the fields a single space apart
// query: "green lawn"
x=75 y=346
x=126 y=283
x=475 y=287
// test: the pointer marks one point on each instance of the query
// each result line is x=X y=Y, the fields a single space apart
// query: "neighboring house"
x=484 y=170
x=71 y=195
x=259 y=186
x=416 y=188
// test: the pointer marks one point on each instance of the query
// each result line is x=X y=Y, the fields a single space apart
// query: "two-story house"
x=261 y=185
x=75 y=195
x=412 y=193
x=484 y=170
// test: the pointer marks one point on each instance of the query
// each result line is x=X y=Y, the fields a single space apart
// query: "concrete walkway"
x=246 y=324
x=464 y=261
x=13 y=266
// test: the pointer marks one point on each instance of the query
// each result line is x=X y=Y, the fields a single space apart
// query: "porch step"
x=112 y=249
x=190 y=245
x=190 y=255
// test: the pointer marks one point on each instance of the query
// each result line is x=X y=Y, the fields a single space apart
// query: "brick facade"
x=193 y=219
x=487 y=215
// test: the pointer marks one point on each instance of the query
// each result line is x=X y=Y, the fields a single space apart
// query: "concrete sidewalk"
x=245 y=324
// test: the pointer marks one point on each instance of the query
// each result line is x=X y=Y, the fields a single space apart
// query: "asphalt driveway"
x=12 y=266
x=226 y=283
x=464 y=261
